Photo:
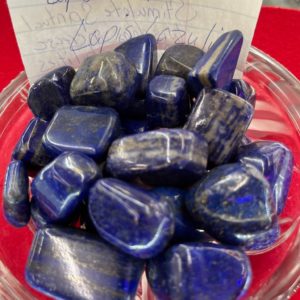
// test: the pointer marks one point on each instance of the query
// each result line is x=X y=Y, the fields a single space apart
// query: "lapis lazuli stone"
x=30 y=148
x=244 y=90
x=89 y=130
x=107 y=79
x=232 y=199
x=129 y=218
x=159 y=157
x=222 y=118
x=133 y=126
x=15 y=194
x=39 y=219
x=51 y=92
x=61 y=186
x=275 y=161
x=73 y=264
x=197 y=271
x=141 y=51
x=167 y=103
x=216 y=67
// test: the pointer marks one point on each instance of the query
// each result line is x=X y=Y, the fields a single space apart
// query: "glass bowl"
x=276 y=270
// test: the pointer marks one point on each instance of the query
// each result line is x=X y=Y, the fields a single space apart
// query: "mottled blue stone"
x=30 y=148
x=89 y=130
x=167 y=103
x=15 y=194
x=141 y=51
x=129 y=218
x=222 y=118
x=40 y=220
x=134 y=126
x=216 y=67
x=179 y=60
x=232 y=199
x=244 y=90
x=275 y=161
x=106 y=79
x=159 y=157
x=196 y=271
x=61 y=186
x=51 y=92
x=73 y=264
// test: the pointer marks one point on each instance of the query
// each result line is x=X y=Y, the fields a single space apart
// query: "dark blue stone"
x=179 y=60
x=167 y=103
x=106 y=79
x=275 y=161
x=141 y=51
x=244 y=90
x=131 y=126
x=61 y=186
x=159 y=157
x=30 y=148
x=129 y=218
x=89 y=130
x=40 y=220
x=196 y=271
x=216 y=67
x=137 y=109
x=15 y=195
x=232 y=199
x=73 y=264
x=222 y=118
x=51 y=92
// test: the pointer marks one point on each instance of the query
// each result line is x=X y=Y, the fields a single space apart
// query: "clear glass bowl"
x=276 y=270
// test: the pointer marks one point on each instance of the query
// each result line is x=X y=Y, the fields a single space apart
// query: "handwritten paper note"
x=52 y=33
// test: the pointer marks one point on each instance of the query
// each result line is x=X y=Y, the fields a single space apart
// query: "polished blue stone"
x=51 y=92
x=179 y=60
x=141 y=51
x=196 y=271
x=106 y=79
x=61 y=186
x=159 y=157
x=134 y=126
x=30 y=148
x=73 y=264
x=244 y=90
x=222 y=118
x=275 y=161
x=232 y=199
x=16 y=203
x=129 y=218
x=39 y=219
x=216 y=67
x=89 y=130
x=167 y=103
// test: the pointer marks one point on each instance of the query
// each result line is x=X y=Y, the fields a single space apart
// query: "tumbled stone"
x=244 y=90
x=16 y=203
x=106 y=79
x=129 y=218
x=51 y=92
x=199 y=271
x=216 y=67
x=89 y=130
x=232 y=199
x=159 y=157
x=275 y=161
x=167 y=103
x=134 y=126
x=73 y=264
x=61 y=186
x=222 y=118
x=39 y=219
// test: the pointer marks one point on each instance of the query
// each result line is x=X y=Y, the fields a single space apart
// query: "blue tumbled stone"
x=216 y=67
x=232 y=199
x=51 y=92
x=179 y=60
x=73 y=264
x=275 y=161
x=129 y=218
x=159 y=157
x=244 y=90
x=40 y=220
x=167 y=103
x=106 y=79
x=89 y=130
x=196 y=271
x=222 y=118
x=61 y=186
x=133 y=126
x=16 y=203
